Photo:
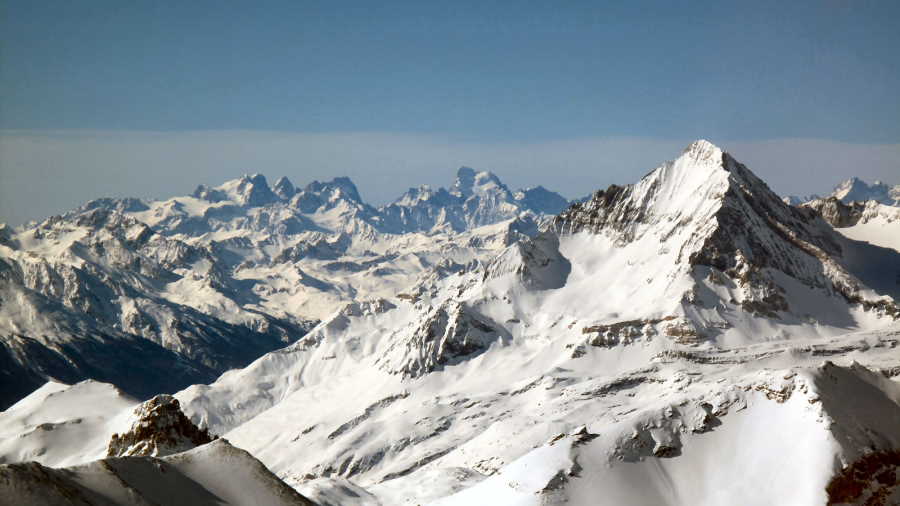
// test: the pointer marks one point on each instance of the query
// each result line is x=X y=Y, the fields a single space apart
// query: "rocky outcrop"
x=837 y=213
x=159 y=428
x=871 y=481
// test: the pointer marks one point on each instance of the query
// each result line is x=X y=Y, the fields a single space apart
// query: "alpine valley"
x=689 y=339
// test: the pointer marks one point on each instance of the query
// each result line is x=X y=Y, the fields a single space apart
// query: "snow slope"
x=786 y=441
x=59 y=425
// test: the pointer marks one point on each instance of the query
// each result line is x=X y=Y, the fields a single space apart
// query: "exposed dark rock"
x=837 y=213
x=869 y=481
x=160 y=429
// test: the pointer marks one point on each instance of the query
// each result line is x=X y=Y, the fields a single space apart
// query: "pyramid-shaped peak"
x=347 y=187
x=284 y=188
x=692 y=188
x=702 y=150
x=283 y=180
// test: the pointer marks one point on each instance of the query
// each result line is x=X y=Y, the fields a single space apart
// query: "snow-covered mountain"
x=642 y=315
x=476 y=198
x=675 y=341
x=154 y=296
x=853 y=190
x=796 y=200
x=857 y=190
x=98 y=294
x=860 y=211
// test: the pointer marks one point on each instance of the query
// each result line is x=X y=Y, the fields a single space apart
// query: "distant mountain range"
x=156 y=295
x=857 y=190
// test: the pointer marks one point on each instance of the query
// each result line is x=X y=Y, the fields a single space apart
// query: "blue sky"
x=467 y=81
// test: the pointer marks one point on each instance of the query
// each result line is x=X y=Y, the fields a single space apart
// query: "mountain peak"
x=250 y=190
x=253 y=190
x=255 y=178
x=338 y=187
x=854 y=189
x=703 y=150
x=284 y=188
x=476 y=182
x=690 y=189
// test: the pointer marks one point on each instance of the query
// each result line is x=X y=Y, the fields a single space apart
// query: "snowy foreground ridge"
x=691 y=339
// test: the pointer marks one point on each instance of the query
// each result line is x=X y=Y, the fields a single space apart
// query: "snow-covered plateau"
x=690 y=339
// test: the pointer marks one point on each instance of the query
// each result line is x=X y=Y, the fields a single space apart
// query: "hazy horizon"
x=149 y=100
x=153 y=165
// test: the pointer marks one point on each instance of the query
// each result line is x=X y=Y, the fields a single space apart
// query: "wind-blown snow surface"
x=666 y=318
